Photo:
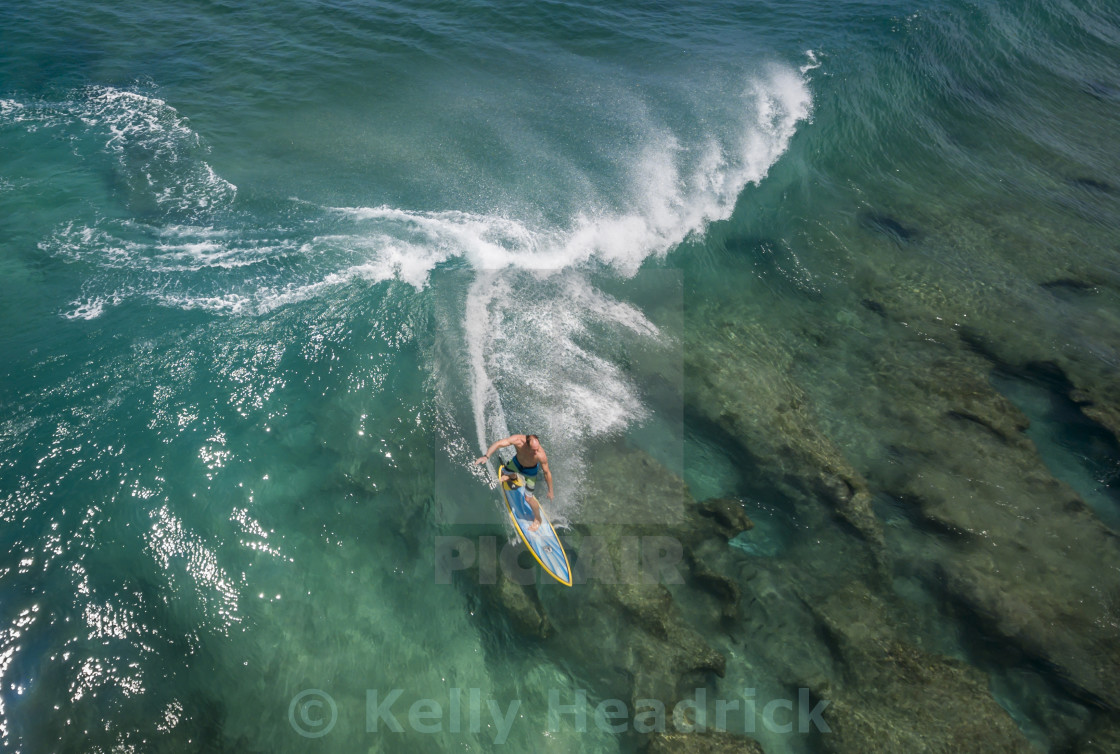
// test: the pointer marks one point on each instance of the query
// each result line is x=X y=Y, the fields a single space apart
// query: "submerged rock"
x=1068 y=284
x=903 y=407
x=1027 y=555
x=620 y=619
x=520 y=603
x=888 y=226
x=741 y=381
x=728 y=514
x=672 y=650
x=1093 y=185
x=708 y=742
x=715 y=582
x=1090 y=384
x=1102 y=737
x=893 y=697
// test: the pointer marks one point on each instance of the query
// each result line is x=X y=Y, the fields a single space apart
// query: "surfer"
x=528 y=459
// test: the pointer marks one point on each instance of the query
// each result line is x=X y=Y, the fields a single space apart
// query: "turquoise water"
x=274 y=275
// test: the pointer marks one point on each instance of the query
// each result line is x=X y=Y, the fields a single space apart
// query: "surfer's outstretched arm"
x=490 y=451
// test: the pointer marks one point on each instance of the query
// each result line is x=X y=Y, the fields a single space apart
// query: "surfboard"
x=542 y=543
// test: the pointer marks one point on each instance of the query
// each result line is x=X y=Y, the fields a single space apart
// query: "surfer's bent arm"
x=490 y=451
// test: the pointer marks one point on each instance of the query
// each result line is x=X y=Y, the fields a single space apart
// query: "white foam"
x=146 y=249
x=89 y=308
x=812 y=64
x=489 y=417
x=674 y=192
x=155 y=147
x=10 y=110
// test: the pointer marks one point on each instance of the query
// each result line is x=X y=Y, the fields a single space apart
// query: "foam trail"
x=153 y=144
x=489 y=418
x=553 y=382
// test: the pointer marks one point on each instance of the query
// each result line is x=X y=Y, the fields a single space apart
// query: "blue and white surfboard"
x=543 y=543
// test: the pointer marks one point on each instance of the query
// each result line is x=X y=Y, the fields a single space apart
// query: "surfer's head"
x=533 y=442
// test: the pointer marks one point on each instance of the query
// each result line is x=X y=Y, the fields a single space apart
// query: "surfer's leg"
x=536 y=512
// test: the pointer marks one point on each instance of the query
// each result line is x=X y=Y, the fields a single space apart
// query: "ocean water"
x=273 y=275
